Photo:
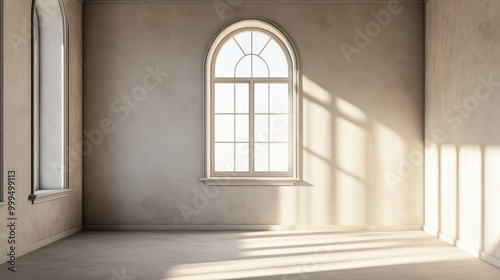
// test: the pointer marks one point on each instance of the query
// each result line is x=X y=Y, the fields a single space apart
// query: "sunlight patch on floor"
x=296 y=254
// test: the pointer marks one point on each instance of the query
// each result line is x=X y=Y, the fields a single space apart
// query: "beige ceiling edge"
x=210 y=2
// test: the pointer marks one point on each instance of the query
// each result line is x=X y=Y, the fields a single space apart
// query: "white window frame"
x=38 y=192
x=262 y=178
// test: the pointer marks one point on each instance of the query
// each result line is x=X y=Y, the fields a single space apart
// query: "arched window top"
x=251 y=48
x=253 y=53
x=50 y=17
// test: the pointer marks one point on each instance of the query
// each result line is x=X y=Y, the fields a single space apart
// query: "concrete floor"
x=284 y=255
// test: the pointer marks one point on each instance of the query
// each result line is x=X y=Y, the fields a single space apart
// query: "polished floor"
x=283 y=255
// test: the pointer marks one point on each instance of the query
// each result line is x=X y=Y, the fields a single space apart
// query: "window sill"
x=249 y=181
x=44 y=196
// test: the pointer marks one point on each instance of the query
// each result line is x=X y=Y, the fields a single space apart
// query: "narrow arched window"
x=251 y=98
x=50 y=96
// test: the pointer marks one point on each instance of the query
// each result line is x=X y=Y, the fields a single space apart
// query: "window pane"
x=261 y=98
x=242 y=128
x=224 y=128
x=279 y=98
x=224 y=157
x=259 y=67
x=276 y=59
x=244 y=40
x=278 y=157
x=259 y=41
x=227 y=58
x=261 y=125
x=279 y=128
x=224 y=98
x=261 y=157
x=242 y=157
x=244 y=67
x=242 y=98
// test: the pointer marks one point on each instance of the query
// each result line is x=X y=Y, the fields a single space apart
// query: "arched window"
x=49 y=96
x=251 y=115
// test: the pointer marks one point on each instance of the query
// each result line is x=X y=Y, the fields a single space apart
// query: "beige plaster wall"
x=462 y=104
x=362 y=116
x=38 y=222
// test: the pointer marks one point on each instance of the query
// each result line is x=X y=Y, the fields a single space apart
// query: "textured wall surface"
x=461 y=122
x=362 y=116
x=40 y=221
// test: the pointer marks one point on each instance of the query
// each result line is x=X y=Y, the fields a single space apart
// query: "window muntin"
x=252 y=110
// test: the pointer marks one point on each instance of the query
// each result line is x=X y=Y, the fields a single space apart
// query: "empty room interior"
x=250 y=139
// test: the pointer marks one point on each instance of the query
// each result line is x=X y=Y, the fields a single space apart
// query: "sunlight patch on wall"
x=317 y=123
x=448 y=194
x=317 y=158
x=470 y=195
x=287 y=206
x=350 y=111
x=351 y=148
x=351 y=199
x=432 y=187
x=491 y=198
x=390 y=170
x=315 y=91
